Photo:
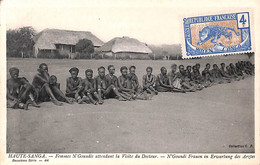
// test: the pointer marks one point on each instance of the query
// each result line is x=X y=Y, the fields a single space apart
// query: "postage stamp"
x=216 y=34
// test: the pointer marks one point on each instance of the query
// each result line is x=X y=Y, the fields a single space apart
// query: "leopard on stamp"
x=217 y=34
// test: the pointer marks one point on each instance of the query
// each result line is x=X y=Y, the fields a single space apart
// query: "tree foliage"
x=85 y=46
x=19 y=42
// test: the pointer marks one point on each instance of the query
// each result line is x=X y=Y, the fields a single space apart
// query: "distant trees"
x=166 y=52
x=85 y=49
x=19 y=42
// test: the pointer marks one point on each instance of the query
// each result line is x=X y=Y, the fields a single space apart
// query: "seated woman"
x=186 y=83
x=245 y=69
x=46 y=91
x=54 y=83
x=163 y=82
x=233 y=71
x=19 y=91
x=230 y=72
x=198 y=68
x=217 y=77
x=125 y=85
x=175 y=81
x=137 y=87
x=250 y=67
x=207 y=76
x=101 y=82
x=111 y=90
x=190 y=76
x=188 y=72
x=223 y=72
x=149 y=81
x=240 y=71
x=74 y=87
x=197 y=78
x=90 y=88
x=128 y=88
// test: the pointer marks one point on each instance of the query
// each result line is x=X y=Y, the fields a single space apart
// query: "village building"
x=124 y=48
x=51 y=41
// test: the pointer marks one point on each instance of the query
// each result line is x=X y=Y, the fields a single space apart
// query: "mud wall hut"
x=125 y=48
x=51 y=41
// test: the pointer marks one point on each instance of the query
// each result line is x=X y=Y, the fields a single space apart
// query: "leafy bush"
x=159 y=57
x=107 y=57
x=52 y=55
x=82 y=56
x=61 y=55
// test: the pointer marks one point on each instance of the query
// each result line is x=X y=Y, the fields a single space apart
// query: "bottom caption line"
x=48 y=157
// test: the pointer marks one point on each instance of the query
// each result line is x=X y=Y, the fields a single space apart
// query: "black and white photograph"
x=149 y=77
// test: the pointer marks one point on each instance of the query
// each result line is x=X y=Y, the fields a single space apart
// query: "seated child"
x=19 y=91
x=45 y=91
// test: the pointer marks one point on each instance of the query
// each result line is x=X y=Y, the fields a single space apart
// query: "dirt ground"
x=205 y=121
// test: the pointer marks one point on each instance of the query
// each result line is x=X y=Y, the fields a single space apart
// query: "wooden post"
x=36 y=52
x=70 y=52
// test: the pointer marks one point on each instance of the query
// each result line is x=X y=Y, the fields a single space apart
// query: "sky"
x=150 y=21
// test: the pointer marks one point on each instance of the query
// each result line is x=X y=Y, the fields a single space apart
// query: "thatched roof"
x=47 y=38
x=124 y=44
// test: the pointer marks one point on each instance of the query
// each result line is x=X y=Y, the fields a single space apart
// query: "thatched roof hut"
x=53 y=39
x=125 y=46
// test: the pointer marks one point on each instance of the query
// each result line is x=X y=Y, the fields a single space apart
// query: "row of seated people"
x=21 y=94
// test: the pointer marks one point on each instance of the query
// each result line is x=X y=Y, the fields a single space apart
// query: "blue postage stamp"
x=216 y=34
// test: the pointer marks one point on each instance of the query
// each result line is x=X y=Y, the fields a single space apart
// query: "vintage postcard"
x=129 y=82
